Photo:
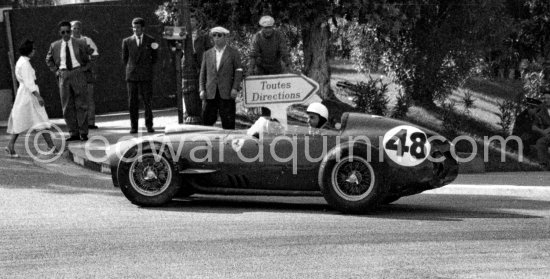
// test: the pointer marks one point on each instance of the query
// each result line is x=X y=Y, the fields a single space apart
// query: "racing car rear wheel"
x=149 y=179
x=351 y=184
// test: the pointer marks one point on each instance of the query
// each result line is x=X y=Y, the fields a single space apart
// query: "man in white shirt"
x=220 y=78
x=91 y=74
x=69 y=59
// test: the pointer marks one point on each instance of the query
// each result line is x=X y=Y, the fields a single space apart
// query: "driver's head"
x=317 y=115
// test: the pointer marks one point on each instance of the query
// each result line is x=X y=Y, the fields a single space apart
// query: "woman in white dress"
x=28 y=109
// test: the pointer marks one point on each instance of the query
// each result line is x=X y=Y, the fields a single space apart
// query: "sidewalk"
x=116 y=126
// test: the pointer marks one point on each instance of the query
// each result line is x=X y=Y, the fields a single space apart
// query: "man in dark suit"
x=191 y=66
x=220 y=79
x=69 y=59
x=201 y=43
x=139 y=53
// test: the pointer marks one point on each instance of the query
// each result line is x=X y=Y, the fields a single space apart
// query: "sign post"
x=278 y=92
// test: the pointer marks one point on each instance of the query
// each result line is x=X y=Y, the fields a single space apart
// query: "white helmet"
x=319 y=109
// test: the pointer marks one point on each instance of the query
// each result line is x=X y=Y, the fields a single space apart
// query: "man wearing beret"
x=139 y=54
x=268 y=49
x=219 y=81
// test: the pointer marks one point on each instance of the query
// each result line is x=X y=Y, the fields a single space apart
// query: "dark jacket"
x=523 y=124
x=202 y=43
x=81 y=52
x=139 y=60
x=228 y=76
x=266 y=54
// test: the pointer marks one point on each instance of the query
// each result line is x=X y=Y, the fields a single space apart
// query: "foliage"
x=369 y=97
x=506 y=115
x=450 y=119
x=468 y=100
x=532 y=82
x=535 y=27
x=403 y=102
x=168 y=13
x=535 y=37
x=431 y=46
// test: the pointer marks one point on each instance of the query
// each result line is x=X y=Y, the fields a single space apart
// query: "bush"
x=450 y=120
x=506 y=115
x=368 y=97
x=402 y=106
x=468 y=101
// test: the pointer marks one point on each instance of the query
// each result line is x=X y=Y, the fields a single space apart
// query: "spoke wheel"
x=353 y=178
x=148 y=178
x=150 y=174
x=351 y=185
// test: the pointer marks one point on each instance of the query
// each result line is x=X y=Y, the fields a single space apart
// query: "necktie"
x=68 y=60
x=138 y=41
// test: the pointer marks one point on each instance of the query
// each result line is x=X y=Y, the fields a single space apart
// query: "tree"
x=310 y=16
x=433 y=44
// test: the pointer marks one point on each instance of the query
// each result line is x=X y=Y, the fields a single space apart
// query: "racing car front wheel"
x=149 y=179
x=351 y=184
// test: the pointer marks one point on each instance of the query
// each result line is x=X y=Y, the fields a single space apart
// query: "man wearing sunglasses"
x=219 y=81
x=69 y=59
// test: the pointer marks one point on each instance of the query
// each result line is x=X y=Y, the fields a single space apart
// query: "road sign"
x=278 y=92
x=289 y=89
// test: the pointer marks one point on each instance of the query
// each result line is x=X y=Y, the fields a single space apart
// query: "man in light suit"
x=220 y=79
x=139 y=54
x=69 y=59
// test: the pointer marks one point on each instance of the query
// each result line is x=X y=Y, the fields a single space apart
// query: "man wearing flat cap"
x=219 y=81
x=268 y=50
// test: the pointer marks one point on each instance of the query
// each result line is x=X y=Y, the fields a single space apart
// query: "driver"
x=317 y=116
x=264 y=124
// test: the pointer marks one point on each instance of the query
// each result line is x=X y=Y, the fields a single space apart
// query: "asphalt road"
x=59 y=220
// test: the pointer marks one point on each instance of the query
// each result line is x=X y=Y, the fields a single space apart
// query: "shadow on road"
x=433 y=207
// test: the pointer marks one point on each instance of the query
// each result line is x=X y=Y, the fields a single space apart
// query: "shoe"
x=11 y=153
x=83 y=137
x=73 y=138
x=150 y=130
x=52 y=151
x=133 y=131
x=92 y=127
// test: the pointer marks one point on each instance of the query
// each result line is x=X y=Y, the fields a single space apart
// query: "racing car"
x=368 y=161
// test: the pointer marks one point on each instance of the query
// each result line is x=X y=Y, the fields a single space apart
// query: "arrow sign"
x=278 y=92
x=288 y=89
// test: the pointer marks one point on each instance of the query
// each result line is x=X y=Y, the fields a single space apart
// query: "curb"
x=89 y=164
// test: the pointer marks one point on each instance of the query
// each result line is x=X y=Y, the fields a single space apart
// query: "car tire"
x=148 y=178
x=351 y=184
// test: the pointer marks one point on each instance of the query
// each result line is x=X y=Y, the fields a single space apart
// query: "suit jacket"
x=202 y=43
x=139 y=60
x=81 y=52
x=228 y=77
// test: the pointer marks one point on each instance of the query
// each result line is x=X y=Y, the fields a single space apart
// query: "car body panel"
x=221 y=161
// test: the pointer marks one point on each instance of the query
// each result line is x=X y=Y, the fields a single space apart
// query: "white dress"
x=26 y=112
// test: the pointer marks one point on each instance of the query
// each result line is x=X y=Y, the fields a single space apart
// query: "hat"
x=319 y=109
x=266 y=21
x=219 y=29
x=532 y=102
